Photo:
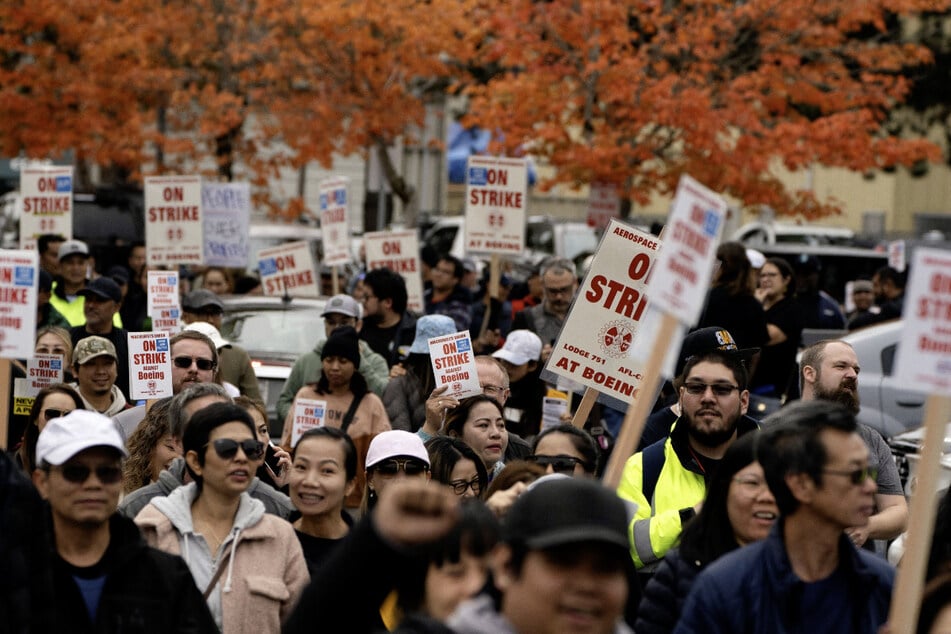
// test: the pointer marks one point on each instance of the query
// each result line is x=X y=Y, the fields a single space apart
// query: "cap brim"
x=98 y=354
x=577 y=535
x=510 y=356
x=66 y=451
x=83 y=292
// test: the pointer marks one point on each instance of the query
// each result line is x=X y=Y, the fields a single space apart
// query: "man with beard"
x=829 y=371
x=559 y=285
x=388 y=327
x=668 y=480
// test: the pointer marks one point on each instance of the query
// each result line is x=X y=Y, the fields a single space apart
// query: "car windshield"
x=280 y=332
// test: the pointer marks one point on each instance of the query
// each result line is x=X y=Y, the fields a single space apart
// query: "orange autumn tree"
x=230 y=88
x=637 y=93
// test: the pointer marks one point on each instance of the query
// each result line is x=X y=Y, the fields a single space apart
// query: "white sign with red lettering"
x=496 y=200
x=896 y=255
x=454 y=364
x=288 y=270
x=924 y=351
x=150 y=365
x=603 y=205
x=19 y=272
x=681 y=277
x=226 y=216
x=594 y=346
x=47 y=197
x=43 y=370
x=163 y=303
x=399 y=252
x=335 y=220
x=308 y=414
x=173 y=220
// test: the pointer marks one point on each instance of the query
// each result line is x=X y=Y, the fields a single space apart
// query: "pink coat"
x=267 y=576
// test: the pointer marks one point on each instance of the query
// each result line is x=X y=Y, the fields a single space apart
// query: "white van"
x=758 y=234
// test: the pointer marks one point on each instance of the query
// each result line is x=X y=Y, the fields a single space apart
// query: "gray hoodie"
x=478 y=615
x=177 y=507
x=275 y=502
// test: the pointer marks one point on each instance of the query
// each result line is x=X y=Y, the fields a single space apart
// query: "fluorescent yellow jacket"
x=657 y=523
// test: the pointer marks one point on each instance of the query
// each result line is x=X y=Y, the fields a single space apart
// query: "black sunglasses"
x=79 y=473
x=856 y=477
x=186 y=362
x=410 y=466
x=719 y=389
x=50 y=413
x=560 y=463
x=227 y=448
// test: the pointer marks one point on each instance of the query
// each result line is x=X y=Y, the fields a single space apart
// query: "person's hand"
x=858 y=535
x=436 y=407
x=397 y=370
x=414 y=511
x=283 y=466
x=501 y=501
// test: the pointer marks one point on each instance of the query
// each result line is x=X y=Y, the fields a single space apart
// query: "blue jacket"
x=754 y=590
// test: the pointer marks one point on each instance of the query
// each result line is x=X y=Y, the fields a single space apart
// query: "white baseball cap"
x=390 y=444
x=521 y=346
x=64 y=437
x=209 y=331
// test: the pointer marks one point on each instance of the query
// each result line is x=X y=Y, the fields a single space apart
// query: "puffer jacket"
x=266 y=572
x=665 y=594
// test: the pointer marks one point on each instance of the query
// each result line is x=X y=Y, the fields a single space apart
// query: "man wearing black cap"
x=667 y=480
x=101 y=306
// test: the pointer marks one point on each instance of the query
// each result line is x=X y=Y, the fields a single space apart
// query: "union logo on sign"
x=616 y=338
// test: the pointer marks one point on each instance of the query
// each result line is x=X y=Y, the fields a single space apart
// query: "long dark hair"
x=32 y=432
x=709 y=535
x=733 y=273
x=445 y=452
x=420 y=366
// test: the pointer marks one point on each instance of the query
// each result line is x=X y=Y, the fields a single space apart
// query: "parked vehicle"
x=838 y=264
x=887 y=407
x=275 y=331
x=906 y=449
x=759 y=233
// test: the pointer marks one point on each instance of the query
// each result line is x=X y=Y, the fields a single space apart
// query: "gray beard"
x=839 y=395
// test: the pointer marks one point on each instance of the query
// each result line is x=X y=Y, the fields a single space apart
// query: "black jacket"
x=665 y=593
x=145 y=591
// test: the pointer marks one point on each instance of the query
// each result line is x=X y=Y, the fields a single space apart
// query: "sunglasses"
x=459 y=486
x=79 y=473
x=410 y=466
x=50 y=413
x=719 y=389
x=227 y=449
x=857 y=477
x=560 y=463
x=186 y=362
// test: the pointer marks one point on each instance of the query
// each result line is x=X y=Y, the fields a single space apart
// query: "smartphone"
x=270 y=460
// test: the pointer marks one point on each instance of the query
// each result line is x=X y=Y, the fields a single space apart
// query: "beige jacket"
x=266 y=572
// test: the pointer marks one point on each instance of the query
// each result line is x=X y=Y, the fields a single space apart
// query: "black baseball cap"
x=201 y=298
x=567 y=511
x=104 y=288
x=707 y=340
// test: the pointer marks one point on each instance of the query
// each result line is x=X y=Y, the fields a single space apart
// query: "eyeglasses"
x=751 y=486
x=227 y=448
x=459 y=486
x=857 y=477
x=697 y=388
x=491 y=389
x=410 y=466
x=50 y=413
x=79 y=473
x=186 y=362
x=560 y=463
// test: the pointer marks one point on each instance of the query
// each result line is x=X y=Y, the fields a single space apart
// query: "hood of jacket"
x=479 y=615
x=177 y=507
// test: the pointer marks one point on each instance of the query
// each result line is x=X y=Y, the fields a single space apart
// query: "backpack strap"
x=652 y=461
x=351 y=412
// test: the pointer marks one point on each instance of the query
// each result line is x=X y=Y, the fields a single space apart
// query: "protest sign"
x=150 y=365
x=22 y=399
x=454 y=364
x=496 y=200
x=46 y=192
x=335 y=220
x=553 y=407
x=43 y=370
x=603 y=205
x=681 y=277
x=163 y=302
x=19 y=272
x=288 y=270
x=923 y=365
x=308 y=414
x=173 y=220
x=594 y=346
x=167 y=320
x=896 y=255
x=399 y=252
x=226 y=215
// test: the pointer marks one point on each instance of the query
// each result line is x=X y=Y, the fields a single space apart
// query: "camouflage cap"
x=92 y=347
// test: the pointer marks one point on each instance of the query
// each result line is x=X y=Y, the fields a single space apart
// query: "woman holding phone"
x=248 y=563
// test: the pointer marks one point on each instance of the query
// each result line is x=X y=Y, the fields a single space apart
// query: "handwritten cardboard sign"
x=454 y=364
x=226 y=216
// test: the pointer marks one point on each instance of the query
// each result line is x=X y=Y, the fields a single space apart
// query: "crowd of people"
x=409 y=510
